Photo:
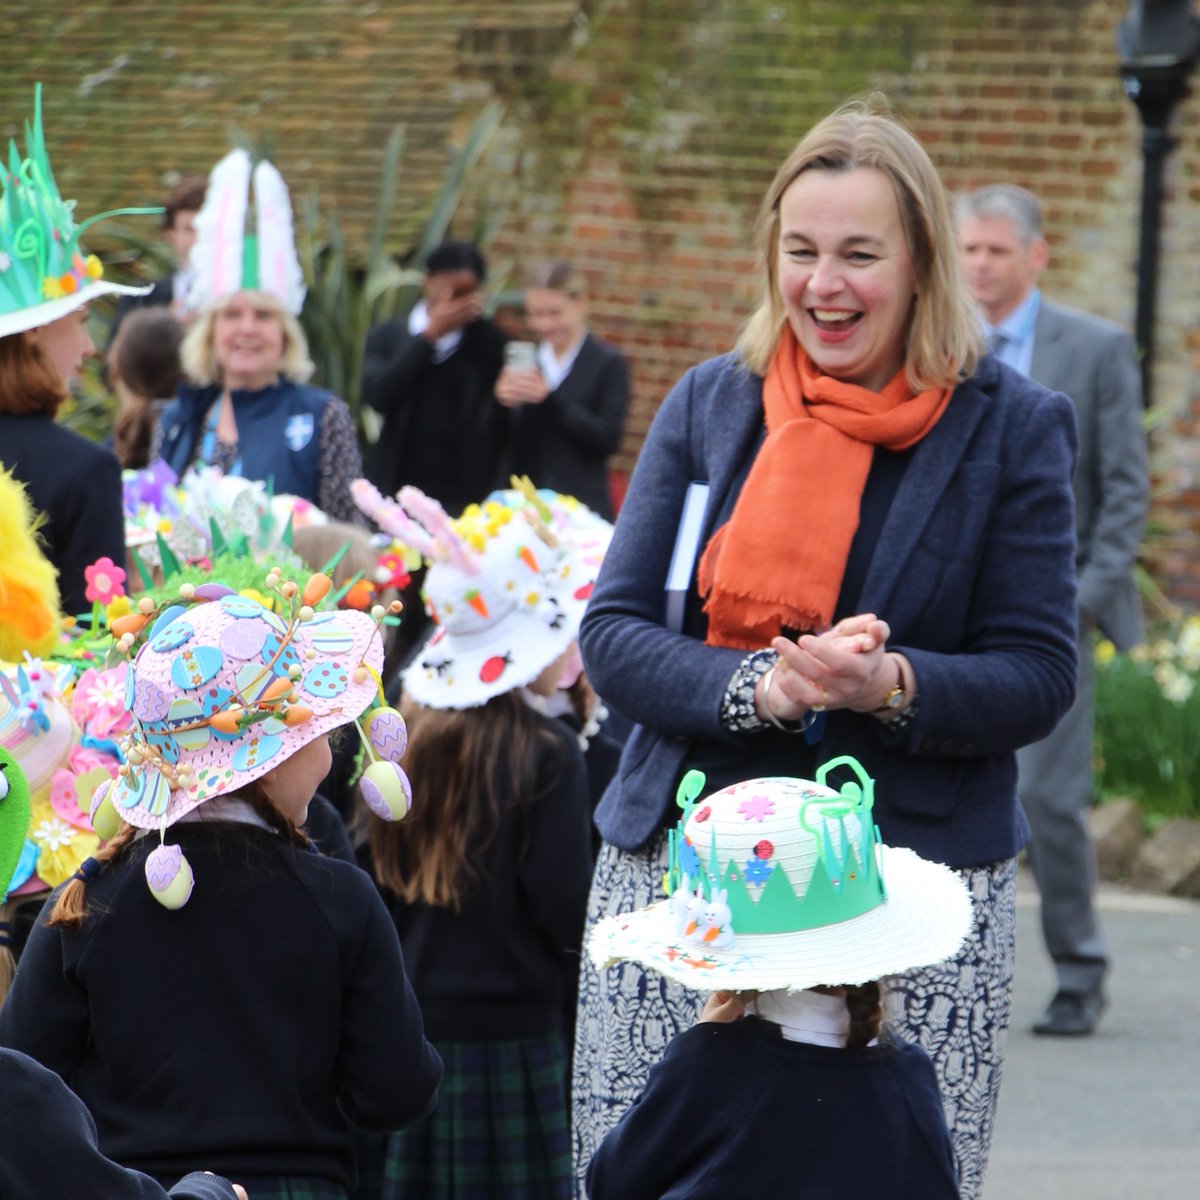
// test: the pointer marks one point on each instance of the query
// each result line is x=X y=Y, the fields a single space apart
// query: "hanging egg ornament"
x=386 y=790
x=106 y=821
x=170 y=877
x=387 y=733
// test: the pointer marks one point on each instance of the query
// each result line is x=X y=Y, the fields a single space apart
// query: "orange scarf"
x=779 y=560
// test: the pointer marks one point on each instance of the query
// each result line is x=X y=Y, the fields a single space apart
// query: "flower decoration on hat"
x=44 y=274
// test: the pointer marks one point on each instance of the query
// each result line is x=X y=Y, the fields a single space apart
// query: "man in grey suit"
x=1093 y=362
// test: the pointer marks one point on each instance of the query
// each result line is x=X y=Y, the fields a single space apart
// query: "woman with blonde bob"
x=882 y=567
x=249 y=410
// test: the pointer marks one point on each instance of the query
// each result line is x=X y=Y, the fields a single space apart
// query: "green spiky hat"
x=44 y=272
x=783 y=883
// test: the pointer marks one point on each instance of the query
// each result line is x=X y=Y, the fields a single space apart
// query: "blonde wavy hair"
x=944 y=339
x=198 y=352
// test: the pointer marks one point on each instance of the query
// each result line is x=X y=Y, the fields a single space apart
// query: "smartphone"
x=521 y=356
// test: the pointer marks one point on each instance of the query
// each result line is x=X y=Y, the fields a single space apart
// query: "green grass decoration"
x=170 y=564
x=219 y=545
x=143 y=574
x=842 y=886
x=40 y=256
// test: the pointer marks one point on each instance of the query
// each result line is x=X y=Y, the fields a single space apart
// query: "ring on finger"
x=819 y=708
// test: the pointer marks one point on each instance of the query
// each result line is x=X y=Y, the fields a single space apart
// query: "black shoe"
x=1071 y=1014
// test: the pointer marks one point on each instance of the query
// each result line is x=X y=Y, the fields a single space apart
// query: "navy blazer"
x=974 y=572
x=76 y=486
x=565 y=442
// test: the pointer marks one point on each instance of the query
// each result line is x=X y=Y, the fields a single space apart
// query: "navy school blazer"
x=974 y=572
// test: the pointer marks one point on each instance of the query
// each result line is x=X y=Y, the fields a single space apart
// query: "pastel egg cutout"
x=327 y=681
x=169 y=876
x=195 y=666
x=386 y=791
x=283 y=660
x=106 y=821
x=244 y=639
x=150 y=703
x=185 y=711
x=256 y=752
x=330 y=637
x=387 y=733
x=252 y=681
x=213 y=591
x=130 y=689
x=158 y=736
x=241 y=606
x=157 y=794
x=172 y=636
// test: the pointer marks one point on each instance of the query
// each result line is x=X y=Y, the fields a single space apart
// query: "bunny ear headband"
x=499 y=596
x=226 y=258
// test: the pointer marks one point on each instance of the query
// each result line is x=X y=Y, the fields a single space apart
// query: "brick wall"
x=639 y=136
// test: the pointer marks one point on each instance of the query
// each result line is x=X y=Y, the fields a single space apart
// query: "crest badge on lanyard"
x=298 y=432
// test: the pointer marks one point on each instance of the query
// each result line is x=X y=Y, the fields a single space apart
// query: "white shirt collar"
x=812 y=1017
x=555 y=370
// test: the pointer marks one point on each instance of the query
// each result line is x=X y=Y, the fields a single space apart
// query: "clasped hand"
x=845 y=667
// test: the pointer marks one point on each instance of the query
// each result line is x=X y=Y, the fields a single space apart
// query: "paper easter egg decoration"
x=105 y=818
x=170 y=877
x=387 y=733
x=386 y=790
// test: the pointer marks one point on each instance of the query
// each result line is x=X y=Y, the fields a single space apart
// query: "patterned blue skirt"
x=499 y=1131
x=958 y=1011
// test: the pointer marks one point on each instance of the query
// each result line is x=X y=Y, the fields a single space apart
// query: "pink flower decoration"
x=98 y=704
x=756 y=808
x=105 y=581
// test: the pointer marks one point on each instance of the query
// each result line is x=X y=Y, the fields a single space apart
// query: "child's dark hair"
x=431 y=856
x=144 y=362
x=865 y=1006
x=70 y=908
x=185 y=196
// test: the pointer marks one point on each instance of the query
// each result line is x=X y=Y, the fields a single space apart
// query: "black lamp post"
x=1158 y=41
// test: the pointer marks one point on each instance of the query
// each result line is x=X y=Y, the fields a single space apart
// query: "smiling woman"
x=248 y=410
x=884 y=571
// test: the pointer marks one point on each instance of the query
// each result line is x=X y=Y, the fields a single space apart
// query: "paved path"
x=1115 y=1116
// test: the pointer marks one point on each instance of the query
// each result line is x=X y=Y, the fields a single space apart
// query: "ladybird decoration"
x=494 y=667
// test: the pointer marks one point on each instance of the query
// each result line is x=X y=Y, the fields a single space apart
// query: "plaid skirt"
x=290 y=1187
x=499 y=1131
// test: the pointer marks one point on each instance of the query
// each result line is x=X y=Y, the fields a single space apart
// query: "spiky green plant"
x=346 y=297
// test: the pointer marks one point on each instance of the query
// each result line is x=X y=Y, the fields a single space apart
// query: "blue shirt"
x=1017 y=331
